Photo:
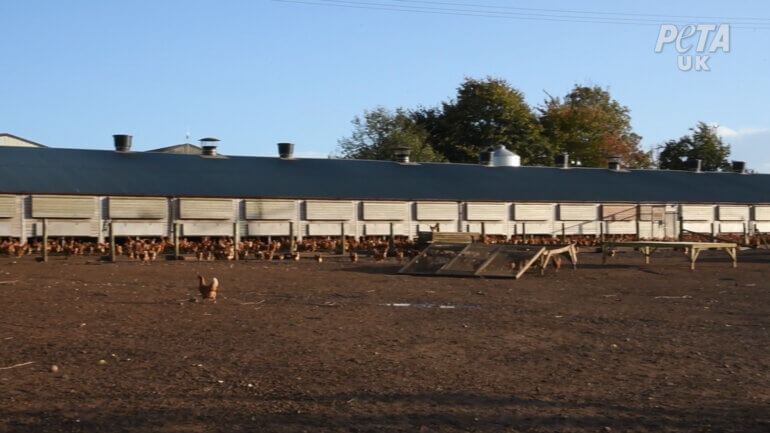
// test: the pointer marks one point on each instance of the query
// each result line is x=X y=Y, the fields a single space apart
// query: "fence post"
x=392 y=241
x=45 y=239
x=601 y=231
x=293 y=240
x=176 y=241
x=563 y=233
x=236 y=240
x=342 y=237
x=112 y=243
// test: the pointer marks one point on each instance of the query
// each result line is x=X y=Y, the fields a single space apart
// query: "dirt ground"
x=322 y=347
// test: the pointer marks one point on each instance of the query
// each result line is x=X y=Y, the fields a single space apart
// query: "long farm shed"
x=147 y=194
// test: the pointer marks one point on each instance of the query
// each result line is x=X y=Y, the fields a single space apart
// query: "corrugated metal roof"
x=97 y=172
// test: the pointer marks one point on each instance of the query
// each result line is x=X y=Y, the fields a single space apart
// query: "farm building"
x=76 y=192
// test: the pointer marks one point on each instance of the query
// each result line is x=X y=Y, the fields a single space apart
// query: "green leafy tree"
x=590 y=125
x=703 y=143
x=485 y=113
x=379 y=132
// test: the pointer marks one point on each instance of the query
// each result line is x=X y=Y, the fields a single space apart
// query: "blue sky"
x=254 y=73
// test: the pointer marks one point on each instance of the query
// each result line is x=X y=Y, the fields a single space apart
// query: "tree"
x=590 y=125
x=485 y=113
x=703 y=143
x=379 y=132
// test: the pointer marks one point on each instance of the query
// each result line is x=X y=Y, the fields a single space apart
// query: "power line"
x=583 y=12
x=493 y=14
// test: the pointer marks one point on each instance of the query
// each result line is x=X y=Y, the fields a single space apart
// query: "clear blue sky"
x=254 y=73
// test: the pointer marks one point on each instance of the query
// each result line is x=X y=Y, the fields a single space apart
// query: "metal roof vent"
x=502 y=157
x=695 y=165
x=209 y=146
x=485 y=157
x=122 y=142
x=401 y=154
x=739 y=167
x=285 y=150
x=613 y=163
x=562 y=160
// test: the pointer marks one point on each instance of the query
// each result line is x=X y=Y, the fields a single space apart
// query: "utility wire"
x=582 y=12
x=493 y=14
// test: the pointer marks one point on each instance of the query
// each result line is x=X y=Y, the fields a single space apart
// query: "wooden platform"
x=692 y=249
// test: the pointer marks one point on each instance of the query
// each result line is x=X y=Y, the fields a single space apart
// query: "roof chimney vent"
x=485 y=157
x=122 y=142
x=562 y=160
x=739 y=167
x=209 y=146
x=695 y=165
x=286 y=150
x=401 y=154
x=613 y=162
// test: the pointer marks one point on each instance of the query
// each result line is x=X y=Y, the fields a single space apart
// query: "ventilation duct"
x=485 y=157
x=209 y=146
x=122 y=142
x=562 y=160
x=401 y=154
x=286 y=150
x=613 y=162
x=739 y=167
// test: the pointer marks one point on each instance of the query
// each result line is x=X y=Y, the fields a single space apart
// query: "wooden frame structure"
x=692 y=249
x=485 y=260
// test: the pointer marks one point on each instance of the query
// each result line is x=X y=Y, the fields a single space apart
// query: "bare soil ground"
x=321 y=347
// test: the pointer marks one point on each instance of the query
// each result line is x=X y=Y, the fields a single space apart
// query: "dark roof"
x=102 y=172
x=185 y=148
x=5 y=134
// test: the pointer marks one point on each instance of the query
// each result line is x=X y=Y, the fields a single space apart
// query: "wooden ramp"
x=485 y=260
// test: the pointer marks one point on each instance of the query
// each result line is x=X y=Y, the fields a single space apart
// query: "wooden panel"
x=329 y=210
x=215 y=209
x=383 y=229
x=577 y=212
x=489 y=228
x=533 y=212
x=329 y=229
x=731 y=227
x=139 y=229
x=270 y=229
x=70 y=228
x=697 y=212
x=138 y=208
x=536 y=228
x=734 y=213
x=7 y=207
x=385 y=211
x=651 y=212
x=6 y=229
x=620 y=227
x=577 y=227
x=619 y=212
x=697 y=227
x=485 y=211
x=435 y=211
x=207 y=229
x=762 y=213
x=763 y=227
x=271 y=209
x=63 y=207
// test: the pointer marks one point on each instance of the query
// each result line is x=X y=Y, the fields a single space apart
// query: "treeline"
x=587 y=123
